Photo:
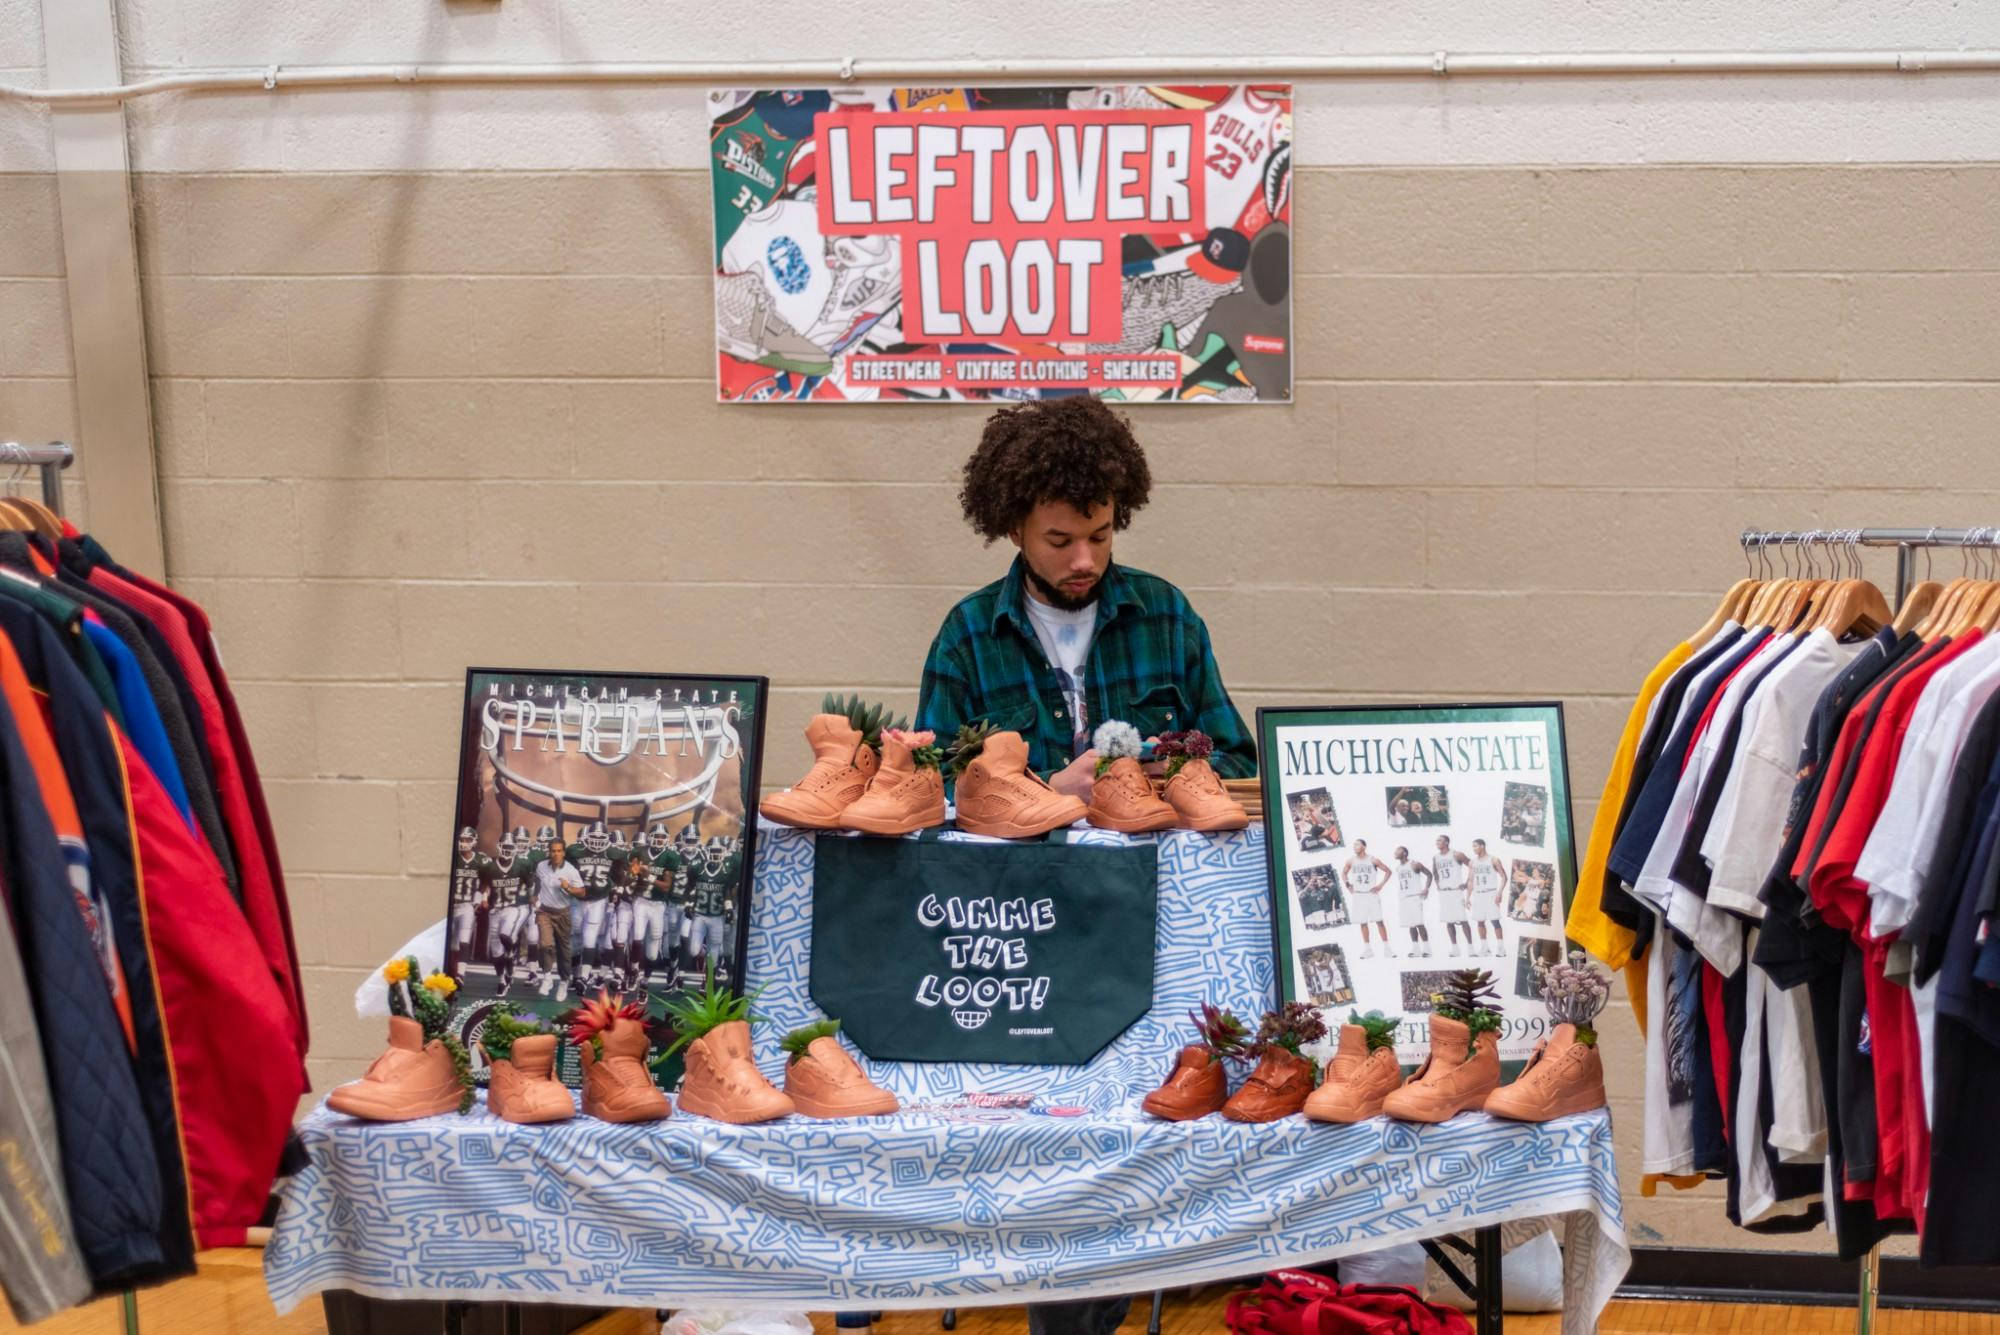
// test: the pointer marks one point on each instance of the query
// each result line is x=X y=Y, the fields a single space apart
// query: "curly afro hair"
x=1073 y=449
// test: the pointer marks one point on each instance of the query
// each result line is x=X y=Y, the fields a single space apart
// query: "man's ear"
x=1015 y=537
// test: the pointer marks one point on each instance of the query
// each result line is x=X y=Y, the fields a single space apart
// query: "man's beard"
x=1056 y=598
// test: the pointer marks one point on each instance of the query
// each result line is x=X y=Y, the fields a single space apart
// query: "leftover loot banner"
x=1032 y=953
x=946 y=244
x=1406 y=843
x=602 y=840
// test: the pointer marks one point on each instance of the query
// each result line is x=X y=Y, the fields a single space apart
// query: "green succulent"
x=966 y=746
x=865 y=718
x=799 y=1040
x=461 y=1063
x=1381 y=1028
x=502 y=1027
x=695 y=1013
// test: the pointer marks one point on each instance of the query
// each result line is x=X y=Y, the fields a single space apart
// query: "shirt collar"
x=1012 y=605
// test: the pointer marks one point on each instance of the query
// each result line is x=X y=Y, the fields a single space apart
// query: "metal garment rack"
x=51 y=458
x=1907 y=542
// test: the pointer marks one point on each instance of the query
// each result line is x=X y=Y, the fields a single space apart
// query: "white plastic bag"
x=1531 y=1278
x=371 y=999
x=1401 y=1265
x=737 y=1323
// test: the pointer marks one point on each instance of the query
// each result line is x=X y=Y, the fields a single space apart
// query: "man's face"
x=557 y=852
x=1067 y=551
x=1443 y=844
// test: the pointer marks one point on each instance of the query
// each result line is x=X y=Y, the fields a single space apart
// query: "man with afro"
x=1069 y=638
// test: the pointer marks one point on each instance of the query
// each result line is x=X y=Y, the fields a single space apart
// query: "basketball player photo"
x=636 y=878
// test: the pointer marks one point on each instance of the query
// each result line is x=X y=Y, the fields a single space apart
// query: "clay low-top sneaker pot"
x=1197 y=1086
x=1563 y=1077
x=1277 y=1088
x=1200 y=801
x=828 y=1083
x=723 y=1083
x=1357 y=1080
x=1123 y=799
x=1449 y=1082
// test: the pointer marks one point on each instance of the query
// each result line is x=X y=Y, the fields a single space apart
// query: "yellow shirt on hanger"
x=1587 y=925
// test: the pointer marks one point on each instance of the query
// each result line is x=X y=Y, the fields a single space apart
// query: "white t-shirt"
x=1065 y=637
x=549 y=882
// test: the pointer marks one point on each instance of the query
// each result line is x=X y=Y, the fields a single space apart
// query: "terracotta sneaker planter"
x=902 y=798
x=617 y=1087
x=999 y=795
x=1198 y=1086
x=412 y=1079
x=1564 y=1077
x=1357 y=1080
x=723 y=1083
x=1200 y=802
x=828 y=1083
x=1278 y=1088
x=1123 y=799
x=1450 y=1081
x=522 y=1087
x=842 y=766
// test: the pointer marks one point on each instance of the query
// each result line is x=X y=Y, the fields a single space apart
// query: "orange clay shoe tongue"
x=1201 y=800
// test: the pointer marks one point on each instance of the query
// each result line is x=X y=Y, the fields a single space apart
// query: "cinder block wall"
x=424 y=400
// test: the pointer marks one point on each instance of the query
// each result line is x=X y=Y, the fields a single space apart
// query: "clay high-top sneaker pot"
x=842 y=766
x=902 y=797
x=1201 y=801
x=827 y=1082
x=617 y=1087
x=1278 y=1088
x=722 y=1081
x=1123 y=799
x=999 y=795
x=1357 y=1080
x=1448 y=1083
x=1563 y=1077
x=1198 y=1086
x=523 y=1088
x=412 y=1079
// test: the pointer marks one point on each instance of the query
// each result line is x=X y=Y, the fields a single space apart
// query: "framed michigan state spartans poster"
x=603 y=838
x=1407 y=842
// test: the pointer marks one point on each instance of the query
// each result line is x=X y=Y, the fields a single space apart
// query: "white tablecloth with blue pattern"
x=955 y=1202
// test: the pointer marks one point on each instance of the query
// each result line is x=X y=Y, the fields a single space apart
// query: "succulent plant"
x=502 y=1027
x=695 y=1013
x=1381 y=1028
x=1470 y=997
x=865 y=718
x=799 y=1040
x=1222 y=1032
x=966 y=746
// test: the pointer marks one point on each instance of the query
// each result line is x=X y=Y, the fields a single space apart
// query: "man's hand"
x=1076 y=778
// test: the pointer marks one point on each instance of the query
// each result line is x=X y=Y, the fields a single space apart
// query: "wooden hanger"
x=1943 y=610
x=12 y=520
x=1854 y=605
x=1739 y=596
x=38 y=516
x=1917 y=604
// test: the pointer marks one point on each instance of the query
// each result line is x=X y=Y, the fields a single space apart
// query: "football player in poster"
x=1449 y=867
x=471 y=874
x=601 y=868
x=656 y=929
x=1413 y=886
x=1489 y=879
x=1365 y=875
x=711 y=887
x=507 y=914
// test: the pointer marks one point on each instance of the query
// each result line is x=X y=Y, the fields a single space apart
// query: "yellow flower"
x=440 y=982
x=396 y=971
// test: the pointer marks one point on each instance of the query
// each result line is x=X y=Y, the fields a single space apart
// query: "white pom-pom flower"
x=1114 y=740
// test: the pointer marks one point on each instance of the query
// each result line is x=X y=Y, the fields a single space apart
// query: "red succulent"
x=593 y=1017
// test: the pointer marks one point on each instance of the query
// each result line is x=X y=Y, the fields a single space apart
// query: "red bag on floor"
x=1298 y=1302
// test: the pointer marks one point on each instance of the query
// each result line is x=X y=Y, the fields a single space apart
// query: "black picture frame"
x=700 y=712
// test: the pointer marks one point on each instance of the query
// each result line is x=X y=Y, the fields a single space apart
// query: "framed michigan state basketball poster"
x=1410 y=842
x=603 y=838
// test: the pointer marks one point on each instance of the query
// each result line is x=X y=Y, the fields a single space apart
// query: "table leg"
x=454 y=1318
x=1159 y=1302
x=950 y=1318
x=1486 y=1279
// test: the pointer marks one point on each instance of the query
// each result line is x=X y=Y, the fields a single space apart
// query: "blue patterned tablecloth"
x=960 y=1200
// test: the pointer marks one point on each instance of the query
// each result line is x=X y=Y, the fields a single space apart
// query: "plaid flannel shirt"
x=1150 y=665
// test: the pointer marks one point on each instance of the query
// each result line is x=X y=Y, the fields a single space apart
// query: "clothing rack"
x=51 y=458
x=1907 y=542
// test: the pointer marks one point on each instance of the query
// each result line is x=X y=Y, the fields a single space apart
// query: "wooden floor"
x=228 y=1298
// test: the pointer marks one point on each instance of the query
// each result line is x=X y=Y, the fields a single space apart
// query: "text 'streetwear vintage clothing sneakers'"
x=1449 y=1082
x=1277 y=1088
x=827 y=1082
x=1198 y=1086
x=723 y=1083
x=1201 y=802
x=522 y=1087
x=902 y=797
x=1563 y=1077
x=617 y=1087
x=1123 y=799
x=999 y=795
x=412 y=1079
x=842 y=766
x=1357 y=1080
